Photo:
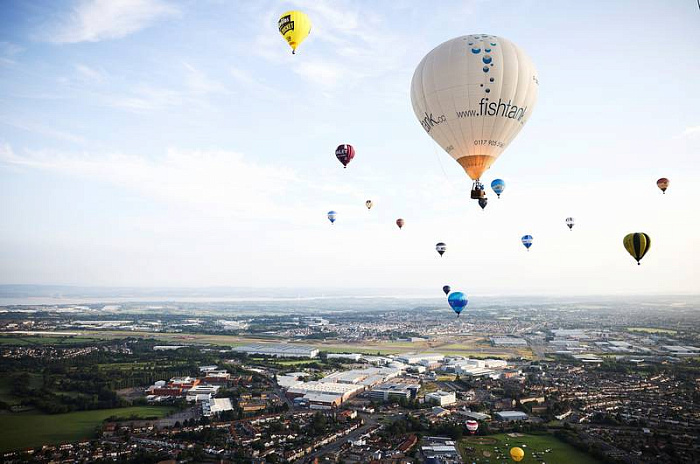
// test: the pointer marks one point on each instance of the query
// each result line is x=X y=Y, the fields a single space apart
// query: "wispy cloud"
x=8 y=51
x=87 y=74
x=219 y=181
x=96 y=20
x=41 y=129
x=692 y=131
x=199 y=82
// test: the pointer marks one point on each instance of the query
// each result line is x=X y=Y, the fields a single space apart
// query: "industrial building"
x=216 y=405
x=510 y=416
x=441 y=398
x=393 y=392
x=508 y=341
x=439 y=450
x=343 y=389
x=281 y=350
x=420 y=358
x=368 y=377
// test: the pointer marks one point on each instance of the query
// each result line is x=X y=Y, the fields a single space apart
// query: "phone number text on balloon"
x=491 y=143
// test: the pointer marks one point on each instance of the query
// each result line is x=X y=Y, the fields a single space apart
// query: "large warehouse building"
x=282 y=350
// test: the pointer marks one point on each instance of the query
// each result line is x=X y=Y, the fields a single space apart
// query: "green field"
x=561 y=453
x=32 y=340
x=25 y=430
x=652 y=330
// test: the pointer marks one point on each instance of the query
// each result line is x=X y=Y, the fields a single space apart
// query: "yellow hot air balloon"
x=637 y=244
x=294 y=26
x=517 y=454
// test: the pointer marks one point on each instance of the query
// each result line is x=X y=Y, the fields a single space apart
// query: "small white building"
x=441 y=398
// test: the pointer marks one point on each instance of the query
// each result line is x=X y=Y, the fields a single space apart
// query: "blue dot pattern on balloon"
x=457 y=301
x=486 y=69
x=476 y=51
x=486 y=59
x=487 y=90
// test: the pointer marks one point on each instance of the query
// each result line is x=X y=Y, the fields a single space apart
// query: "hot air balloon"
x=331 y=216
x=446 y=289
x=369 y=204
x=294 y=26
x=472 y=95
x=527 y=241
x=458 y=301
x=517 y=454
x=637 y=244
x=570 y=222
x=662 y=184
x=441 y=248
x=498 y=186
x=345 y=153
x=483 y=202
x=400 y=222
x=472 y=426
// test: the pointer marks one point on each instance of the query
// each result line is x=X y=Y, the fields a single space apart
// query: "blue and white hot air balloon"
x=498 y=186
x=458 y=301
x=331 y=216
x=527 y=241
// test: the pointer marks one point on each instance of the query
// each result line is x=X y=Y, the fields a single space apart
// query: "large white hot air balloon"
x=472 y=95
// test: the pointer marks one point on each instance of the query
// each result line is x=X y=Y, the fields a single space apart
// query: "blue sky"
x=157 y=143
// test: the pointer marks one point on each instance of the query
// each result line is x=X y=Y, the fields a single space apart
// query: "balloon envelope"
x=294 y=26
x=637 y=244
x=483 y=202
x=517 y=454
x=662 y=184
x=472 y=426
x=527 y=241
x=400 y=222
x=472 y=95
x=331 y=216
x=345 y=153
x=498 y=186
x=457 y=301
x=369 y=204
x=441 y=248
x=446 y=289
x=570 y=222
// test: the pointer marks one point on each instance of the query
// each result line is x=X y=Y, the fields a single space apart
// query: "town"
x=223 y=389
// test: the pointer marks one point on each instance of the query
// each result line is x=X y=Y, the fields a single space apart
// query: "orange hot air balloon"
x=662 y=184
x=400 y=222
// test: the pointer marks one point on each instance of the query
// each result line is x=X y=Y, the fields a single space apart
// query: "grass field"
x=472 y=345
x=652 y=330
x=43 y=340
x=533 y=445
x=25 y=430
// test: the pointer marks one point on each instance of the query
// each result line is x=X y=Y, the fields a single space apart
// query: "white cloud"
x=199 y=82
x=88 y=74
x=8 y=51
x=37 y=128
x=692 y=131
x=218 y=181
x=147 y=98
x=96 y=20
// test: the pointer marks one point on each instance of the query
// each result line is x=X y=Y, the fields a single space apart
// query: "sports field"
x=26 y=430
x=495 y=449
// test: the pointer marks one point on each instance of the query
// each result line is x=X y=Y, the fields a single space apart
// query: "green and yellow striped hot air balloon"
x=637 y=244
